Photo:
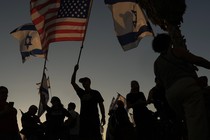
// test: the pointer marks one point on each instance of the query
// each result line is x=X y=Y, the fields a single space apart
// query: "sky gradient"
x=103 y=60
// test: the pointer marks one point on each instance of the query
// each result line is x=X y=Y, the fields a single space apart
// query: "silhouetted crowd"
x=180 y=97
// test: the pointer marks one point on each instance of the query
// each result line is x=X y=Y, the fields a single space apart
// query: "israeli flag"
x=29 y=40
x=130 y=23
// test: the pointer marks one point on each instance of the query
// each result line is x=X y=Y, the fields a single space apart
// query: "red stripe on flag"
x=66 y=31
x=51 y=28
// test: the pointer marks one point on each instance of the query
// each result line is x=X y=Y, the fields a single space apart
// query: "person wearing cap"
x=89 y=113
x=8 y=118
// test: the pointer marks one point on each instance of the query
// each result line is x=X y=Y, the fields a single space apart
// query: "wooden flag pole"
x=91 y=3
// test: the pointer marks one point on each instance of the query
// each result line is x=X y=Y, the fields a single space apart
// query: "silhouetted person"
x=203 y=82
x=8 y=118
x=168 y=126
x=72 y=123
x=157 y=97
x=175 y=69
x=32 y=126
x=55 y=119
x=142 y=116
x=124 y=128
x=111 y=126
x=89 y=114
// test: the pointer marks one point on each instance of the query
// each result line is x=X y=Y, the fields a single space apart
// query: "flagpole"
x=80 y=52
x=40 y=94
x=45 y=63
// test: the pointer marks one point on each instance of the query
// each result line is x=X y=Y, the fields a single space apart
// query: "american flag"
x=60 y=20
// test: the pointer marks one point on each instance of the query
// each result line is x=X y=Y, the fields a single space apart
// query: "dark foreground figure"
x=175 y=68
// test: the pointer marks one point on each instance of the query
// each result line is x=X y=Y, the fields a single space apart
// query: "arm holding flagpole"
x=73 y=78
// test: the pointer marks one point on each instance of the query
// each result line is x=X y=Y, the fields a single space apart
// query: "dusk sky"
x=103 y=60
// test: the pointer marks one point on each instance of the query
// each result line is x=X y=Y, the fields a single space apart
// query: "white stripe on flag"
x=130 y=23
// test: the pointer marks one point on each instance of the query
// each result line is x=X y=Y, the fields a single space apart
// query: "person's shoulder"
x=24 y=115
x=77 y=88
x=158 y=59
x=49 y=108
x=129 y=94
x=95 y=91
x=64 y=110
x=74 y=114
x=132 y=95
x=141 y=93
x=179 y=52
x=178 y=49
x=36 y=117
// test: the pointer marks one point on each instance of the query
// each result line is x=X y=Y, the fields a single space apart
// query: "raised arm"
x=73 y=78
x=187 y=56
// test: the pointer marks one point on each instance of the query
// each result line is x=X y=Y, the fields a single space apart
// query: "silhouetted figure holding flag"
x=33 y=128
x=8 y=118
x=55 y=119
x=175 y=69
x=89 y=114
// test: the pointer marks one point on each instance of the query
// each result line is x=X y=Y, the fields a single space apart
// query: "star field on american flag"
x=60 y=20
x=74 y=8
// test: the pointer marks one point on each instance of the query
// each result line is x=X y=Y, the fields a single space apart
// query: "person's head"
x=85 y=82
x=161 y=42
x=3 y=93
x=135 y=84
x=120 y=104
x=55 y=101
x=32 y=109
x=71 y=106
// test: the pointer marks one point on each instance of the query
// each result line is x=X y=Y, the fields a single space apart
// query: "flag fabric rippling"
x=29 y=40
x=44 y=93
x=60 y=20
x=113 y=104
x=130 y=22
